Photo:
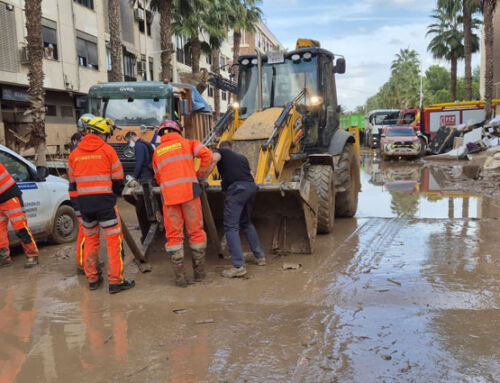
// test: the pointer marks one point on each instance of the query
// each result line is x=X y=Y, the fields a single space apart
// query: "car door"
x=36 y=195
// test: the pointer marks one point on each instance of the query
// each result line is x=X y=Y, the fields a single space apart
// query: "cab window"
x=18 y=170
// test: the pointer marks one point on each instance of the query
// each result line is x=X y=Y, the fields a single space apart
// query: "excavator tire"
x=347 y=173
x=323 y=178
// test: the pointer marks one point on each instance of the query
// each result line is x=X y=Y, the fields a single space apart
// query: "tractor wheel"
x=323 y=178
x=347 y=173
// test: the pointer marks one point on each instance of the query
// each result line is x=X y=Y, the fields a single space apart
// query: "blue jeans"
x=238 y=204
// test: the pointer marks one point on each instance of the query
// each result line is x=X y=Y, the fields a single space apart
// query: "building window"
x=51 y=110
x=224 y=95
x=151 y=71
x=183 y=50
x=147 y=23
x=210 y=91
x=86 y=48
x=209 y=58
x=108 y=58
x=222 y=62
x=86 y=3
x=49 y=39
x=129 y=61
x=66 y=111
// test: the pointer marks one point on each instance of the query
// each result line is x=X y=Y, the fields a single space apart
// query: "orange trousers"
x=80 y=242
x=12 y=210
x=190 y=214
x=109 y=221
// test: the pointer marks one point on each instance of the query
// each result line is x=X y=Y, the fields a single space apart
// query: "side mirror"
x=41 y=174
x=184 y=107
x=339 y=66
x=382 y=135
x=243 y=110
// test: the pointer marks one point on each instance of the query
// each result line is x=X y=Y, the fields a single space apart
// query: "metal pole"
x=259 y=79
x=146 y=76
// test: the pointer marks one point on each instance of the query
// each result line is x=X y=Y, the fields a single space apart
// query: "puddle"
x=407 y=189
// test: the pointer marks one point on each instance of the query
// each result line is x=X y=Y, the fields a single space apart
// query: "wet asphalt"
x=407 y=291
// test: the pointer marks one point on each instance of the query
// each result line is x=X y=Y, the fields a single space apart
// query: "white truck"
x=376 y=120
x=46 y=201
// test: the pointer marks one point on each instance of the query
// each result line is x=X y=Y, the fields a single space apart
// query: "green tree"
x=436 y=78
x=245 y=14
x=406 y=76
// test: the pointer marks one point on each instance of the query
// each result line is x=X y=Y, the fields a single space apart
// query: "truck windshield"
x=395 y=132
x=131 y=112
x=281 y=83
x=385 y=119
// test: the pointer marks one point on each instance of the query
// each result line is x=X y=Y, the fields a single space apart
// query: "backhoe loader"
x=286 y=122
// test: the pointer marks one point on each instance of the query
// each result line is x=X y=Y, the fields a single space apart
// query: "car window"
x=401 y=133
x=18 y=170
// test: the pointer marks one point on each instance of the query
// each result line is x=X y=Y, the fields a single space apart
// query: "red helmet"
x=168 y=125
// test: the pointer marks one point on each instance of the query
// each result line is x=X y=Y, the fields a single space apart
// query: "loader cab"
x=305 y=75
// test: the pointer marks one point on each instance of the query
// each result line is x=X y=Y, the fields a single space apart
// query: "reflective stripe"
x=7 y=185
x=197 y=149
x=19 y=218
x=115 y=165
x=174 y=247
x=175 y=158
x=92 y=178
x=109 y=223
x=71 y=178
x=179 y=181
x=3 y=175
x=118 y=175
x=13 y=211
x=70 y=170
x=89 y=225
x=3 y=218
x=95 y=189
x=114 y=231
x=90 y=231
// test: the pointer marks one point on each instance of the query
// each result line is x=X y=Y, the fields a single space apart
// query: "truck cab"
x=142 y=106
x=376 y=120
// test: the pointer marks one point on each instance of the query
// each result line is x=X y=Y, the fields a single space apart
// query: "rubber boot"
x=30 y=262
x=177 y=257
x=198 y=264
x=5 y=259
x=125 y=285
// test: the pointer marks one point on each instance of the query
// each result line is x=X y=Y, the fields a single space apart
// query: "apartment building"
x=262 y=39
x=76 y=56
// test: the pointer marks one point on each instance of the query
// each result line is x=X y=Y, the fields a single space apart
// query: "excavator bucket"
x=285 y=216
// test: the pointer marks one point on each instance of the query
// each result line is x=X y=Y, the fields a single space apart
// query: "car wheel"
x=65 y=226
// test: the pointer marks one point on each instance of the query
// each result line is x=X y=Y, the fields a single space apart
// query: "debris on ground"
x=205 y=321
x=291 y=266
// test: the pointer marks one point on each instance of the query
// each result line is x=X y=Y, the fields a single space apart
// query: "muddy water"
x=405 y=292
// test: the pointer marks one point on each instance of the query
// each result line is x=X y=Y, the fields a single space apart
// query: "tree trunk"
x=195 y=54
x=216 y=70
x=33 y=11
x=467 y=49
x=453 y=83
x=166 y=39
x=488 y=8
x=236 y=51
x=115 y=41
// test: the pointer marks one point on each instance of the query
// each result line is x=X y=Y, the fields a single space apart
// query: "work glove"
x=131 y=182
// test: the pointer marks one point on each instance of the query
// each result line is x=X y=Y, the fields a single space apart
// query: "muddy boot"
x=30 y=262
x=95 y=285
x=177 y=257
x=5 y=259
x=198 y=264
x=125 y=285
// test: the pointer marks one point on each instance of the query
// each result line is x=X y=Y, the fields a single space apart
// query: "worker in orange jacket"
x=97 y=174
x=80 y=240
x=173 y=163
x=11 y=209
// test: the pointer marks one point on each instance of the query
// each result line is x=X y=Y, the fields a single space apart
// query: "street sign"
x=275 y=57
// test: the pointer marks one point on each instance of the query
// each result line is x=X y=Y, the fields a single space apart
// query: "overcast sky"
x=367 y=32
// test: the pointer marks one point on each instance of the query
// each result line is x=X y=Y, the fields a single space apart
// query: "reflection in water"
x=411 y=190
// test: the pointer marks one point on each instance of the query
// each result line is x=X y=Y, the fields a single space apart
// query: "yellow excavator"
x=286 y=122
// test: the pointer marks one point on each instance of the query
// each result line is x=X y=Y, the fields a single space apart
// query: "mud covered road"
x=407 y=291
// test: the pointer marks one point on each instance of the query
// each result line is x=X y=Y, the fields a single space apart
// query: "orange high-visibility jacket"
x=93 y=166
x=6 y=180
x=173 y=163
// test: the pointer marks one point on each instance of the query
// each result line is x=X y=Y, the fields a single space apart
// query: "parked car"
x=376 y=121
x=400 y=141
x=46 y=201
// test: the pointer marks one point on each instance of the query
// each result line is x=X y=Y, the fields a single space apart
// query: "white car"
x=46 y=202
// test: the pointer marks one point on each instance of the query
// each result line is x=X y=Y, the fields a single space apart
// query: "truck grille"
x=128 y=161
x=402 y=145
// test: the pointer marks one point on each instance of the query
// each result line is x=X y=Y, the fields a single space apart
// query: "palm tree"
x=189 y=18
x=488 y=9
x=406 y=73
x=244 y=17
x=115 y=43
x=447 y=42
x=33 y=11
x=165 y=9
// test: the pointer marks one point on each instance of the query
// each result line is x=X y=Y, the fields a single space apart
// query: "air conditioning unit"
x=139 y=14
x=23 y=55
x=141 y=66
